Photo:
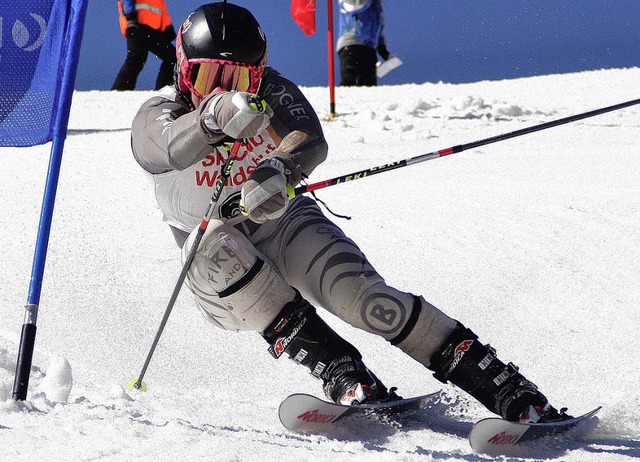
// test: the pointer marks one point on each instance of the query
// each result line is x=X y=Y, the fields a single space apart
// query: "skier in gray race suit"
x=266 y=273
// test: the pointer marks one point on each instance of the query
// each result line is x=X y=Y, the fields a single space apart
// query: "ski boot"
x=348 y=381
x=308 y=340
x=543 y=414
x=474 y=367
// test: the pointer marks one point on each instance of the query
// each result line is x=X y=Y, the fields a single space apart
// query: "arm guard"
x=166 y=136
x=294 y=125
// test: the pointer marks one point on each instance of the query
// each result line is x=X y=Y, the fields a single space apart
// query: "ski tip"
x=495 y=436
x=137 y=385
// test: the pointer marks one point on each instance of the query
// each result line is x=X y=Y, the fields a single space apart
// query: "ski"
x=305 y=413
x=498 y=437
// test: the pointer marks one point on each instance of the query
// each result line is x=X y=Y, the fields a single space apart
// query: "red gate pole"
x=331 y=59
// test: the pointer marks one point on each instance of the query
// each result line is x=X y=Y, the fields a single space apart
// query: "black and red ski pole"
x=219 y=185
x=455 y=149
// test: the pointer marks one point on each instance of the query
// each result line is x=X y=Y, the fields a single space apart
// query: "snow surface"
x=533 y=242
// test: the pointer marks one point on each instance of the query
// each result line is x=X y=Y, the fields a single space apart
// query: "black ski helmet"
x=222 y=33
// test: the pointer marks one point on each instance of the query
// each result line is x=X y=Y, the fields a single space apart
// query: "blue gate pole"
x=28 y=335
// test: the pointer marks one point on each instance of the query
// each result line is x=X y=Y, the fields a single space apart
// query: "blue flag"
x=39 y=49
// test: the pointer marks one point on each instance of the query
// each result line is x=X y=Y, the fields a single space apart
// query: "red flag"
x=304 y=14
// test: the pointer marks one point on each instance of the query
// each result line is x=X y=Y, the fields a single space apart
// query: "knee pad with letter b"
x=233 y=282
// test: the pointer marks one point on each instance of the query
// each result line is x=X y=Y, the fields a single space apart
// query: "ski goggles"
x=202 y=76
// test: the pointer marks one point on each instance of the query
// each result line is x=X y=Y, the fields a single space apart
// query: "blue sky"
x=451 y=41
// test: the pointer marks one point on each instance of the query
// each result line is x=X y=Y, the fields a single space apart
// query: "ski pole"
x=455 y=149
x=224 y=175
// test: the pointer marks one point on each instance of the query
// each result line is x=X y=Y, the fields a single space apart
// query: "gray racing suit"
x=265 y=277
x=244 y=273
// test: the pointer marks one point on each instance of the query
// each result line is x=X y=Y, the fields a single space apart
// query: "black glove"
x=170 y=33
x=383 y=52
x=133 y=26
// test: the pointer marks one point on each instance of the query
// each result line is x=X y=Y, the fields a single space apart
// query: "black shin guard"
x=474 y=367
x=308 y=340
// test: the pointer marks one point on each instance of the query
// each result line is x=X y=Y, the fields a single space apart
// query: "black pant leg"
x=358 y=66
x=161 y=46
x=137 y=52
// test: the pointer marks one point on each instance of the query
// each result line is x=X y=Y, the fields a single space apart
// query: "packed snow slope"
x=533 y=242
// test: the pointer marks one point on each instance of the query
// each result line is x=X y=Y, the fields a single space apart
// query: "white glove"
x=265 y=195
x=237 y=114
